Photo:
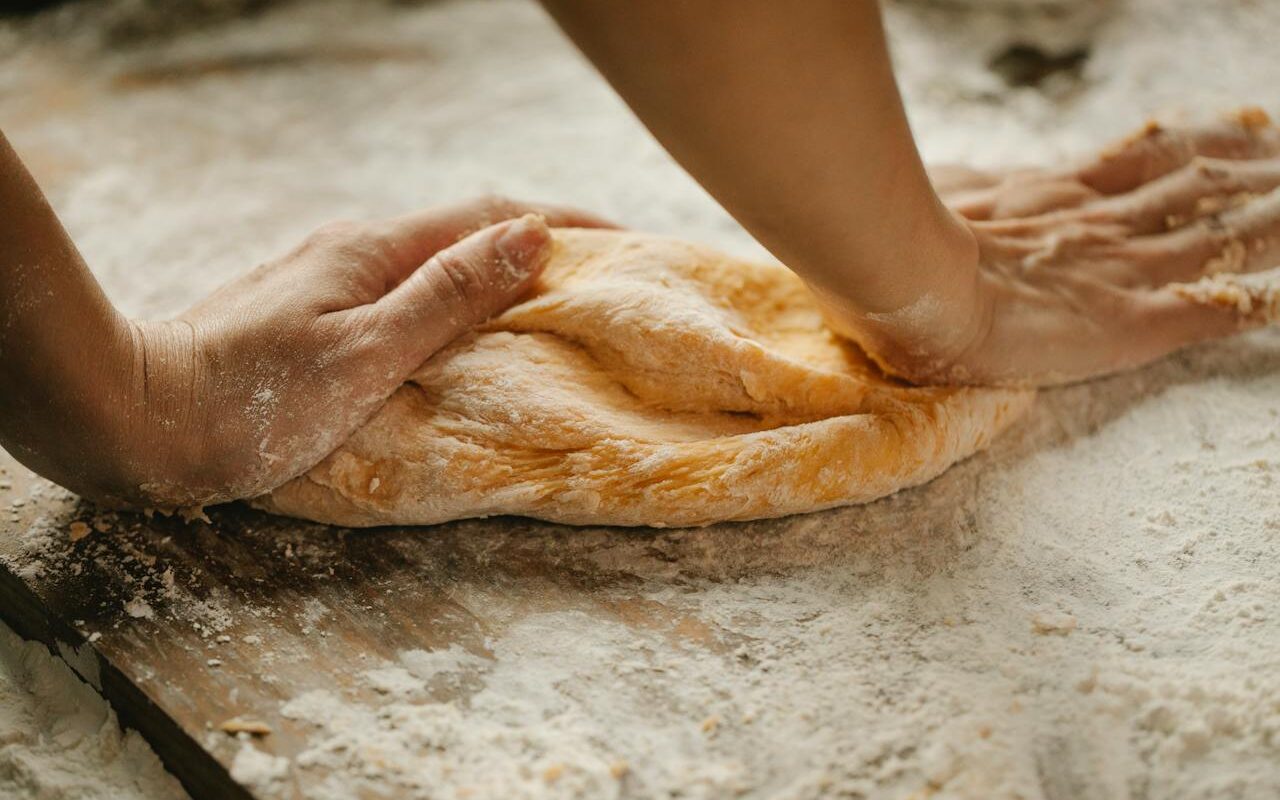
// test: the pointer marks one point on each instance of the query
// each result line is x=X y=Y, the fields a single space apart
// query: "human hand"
x=1083 y=272
x=258 y=382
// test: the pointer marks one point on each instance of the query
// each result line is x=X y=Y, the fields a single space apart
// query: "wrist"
x=134 y=442
x=936 y=313
x=74 y=410
x=160 y=427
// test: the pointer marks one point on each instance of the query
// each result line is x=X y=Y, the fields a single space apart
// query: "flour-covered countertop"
x=1089 y=610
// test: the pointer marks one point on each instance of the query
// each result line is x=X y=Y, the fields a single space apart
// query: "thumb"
x=464 y=285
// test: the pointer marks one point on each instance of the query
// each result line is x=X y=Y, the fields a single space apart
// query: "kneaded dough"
x=647 y=382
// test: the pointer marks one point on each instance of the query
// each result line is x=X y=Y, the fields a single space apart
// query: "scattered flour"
x=59 y=740
x=541 y=720
x=420 y=669
x=1089 y=611
x=139 y=609
x=259 y=770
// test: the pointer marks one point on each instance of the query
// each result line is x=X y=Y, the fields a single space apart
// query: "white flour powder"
x=59 y=739
x=1089 y=611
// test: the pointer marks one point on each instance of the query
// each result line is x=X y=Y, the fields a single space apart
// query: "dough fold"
x=647 y=382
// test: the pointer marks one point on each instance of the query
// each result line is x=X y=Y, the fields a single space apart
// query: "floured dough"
x=648 y=382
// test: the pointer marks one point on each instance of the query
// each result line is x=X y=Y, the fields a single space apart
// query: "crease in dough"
x=648 y=381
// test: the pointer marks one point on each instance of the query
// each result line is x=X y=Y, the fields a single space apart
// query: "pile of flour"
x=58 y=739
x=1086 y=611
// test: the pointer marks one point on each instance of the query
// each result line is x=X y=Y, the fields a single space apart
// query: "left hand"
x=258 y=382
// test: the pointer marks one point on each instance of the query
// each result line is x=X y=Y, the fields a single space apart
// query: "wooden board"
x=185 y=625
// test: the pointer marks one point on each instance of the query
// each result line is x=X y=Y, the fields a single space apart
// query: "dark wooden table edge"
x=196 y=769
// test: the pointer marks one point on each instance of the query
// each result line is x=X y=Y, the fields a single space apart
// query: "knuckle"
x=1216 y=172
x=333 y=234
x=361 y=336
x=361 y=326
x=462 y=282
x=493 y=208
x=1215 y=229
x=351 y=240
x=1164 y=145
x=369 y=340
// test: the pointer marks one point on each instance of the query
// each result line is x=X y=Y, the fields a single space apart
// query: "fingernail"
x=524 y=244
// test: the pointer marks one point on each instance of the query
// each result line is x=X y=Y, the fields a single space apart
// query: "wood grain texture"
x=286 y=607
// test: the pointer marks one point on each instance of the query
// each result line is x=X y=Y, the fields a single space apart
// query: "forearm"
x=68 y=373
x=789 y=114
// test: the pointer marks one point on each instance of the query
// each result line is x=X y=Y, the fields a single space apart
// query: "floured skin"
x=647 y=382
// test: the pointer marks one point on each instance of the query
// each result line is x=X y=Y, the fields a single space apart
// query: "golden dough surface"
x=646 y=382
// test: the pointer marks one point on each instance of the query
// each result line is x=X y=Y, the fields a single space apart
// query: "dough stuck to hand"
x=647 y=382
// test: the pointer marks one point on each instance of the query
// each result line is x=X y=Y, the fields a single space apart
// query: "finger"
x=984 y=196
x=1040 y=197
x=460 y=287
x=951 y=178
x=1015 y=200
x=1239 y=240
x=1154 y=323
x=1155 y=150
x=421 y=234
x=1203 y=187
x=1181 y=314
x=1248 y=300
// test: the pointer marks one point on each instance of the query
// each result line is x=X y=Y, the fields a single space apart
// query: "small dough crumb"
x=247 y=725
x=1253 y=118
x=1255 y=297
x=190 y=514
x=79 y=530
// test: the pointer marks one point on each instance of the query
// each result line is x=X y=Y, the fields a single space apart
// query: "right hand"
x=1087 y=271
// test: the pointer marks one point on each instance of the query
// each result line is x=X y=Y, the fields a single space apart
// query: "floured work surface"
x=1086 y=610
x=1086 y=607
x=274 y=658
x=1013 y=607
